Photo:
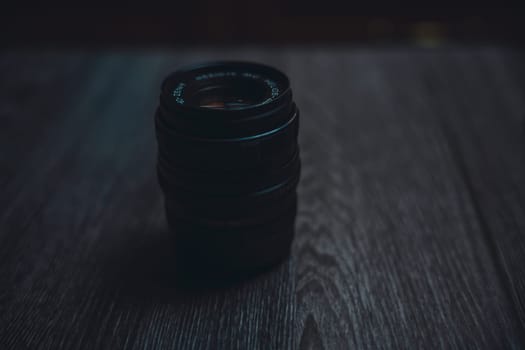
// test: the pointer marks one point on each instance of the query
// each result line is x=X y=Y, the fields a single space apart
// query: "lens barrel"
x=228 y=164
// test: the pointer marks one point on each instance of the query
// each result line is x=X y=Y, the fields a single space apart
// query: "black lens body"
x=228 y=164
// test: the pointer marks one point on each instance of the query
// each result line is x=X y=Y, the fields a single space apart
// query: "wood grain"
x=410 y=225
x=487 y=128
x=398 y=259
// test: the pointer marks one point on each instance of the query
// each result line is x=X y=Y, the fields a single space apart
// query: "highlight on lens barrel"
x=228 y=164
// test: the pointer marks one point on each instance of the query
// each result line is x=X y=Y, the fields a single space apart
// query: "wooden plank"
x=483 y=110
x=388 y=250
x=35 y=93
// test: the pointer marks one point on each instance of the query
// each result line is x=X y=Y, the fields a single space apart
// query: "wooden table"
x=410 y=231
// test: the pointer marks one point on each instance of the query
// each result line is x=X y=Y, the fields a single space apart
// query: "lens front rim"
x=174 y=99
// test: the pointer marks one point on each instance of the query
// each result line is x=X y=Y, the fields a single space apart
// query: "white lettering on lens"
x=273 y=86
x=177 y=93
x=215 y=75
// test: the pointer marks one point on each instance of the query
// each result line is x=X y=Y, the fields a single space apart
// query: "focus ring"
x=269 y=149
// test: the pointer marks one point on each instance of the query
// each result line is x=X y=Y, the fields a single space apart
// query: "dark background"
x=270 y=22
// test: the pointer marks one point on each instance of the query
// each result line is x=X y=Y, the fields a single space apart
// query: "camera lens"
x=228 y=164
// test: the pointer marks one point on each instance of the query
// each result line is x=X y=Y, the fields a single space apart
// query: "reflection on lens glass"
x=219 y=102
x=232 y=94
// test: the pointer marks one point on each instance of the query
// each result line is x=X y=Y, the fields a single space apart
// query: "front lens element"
x=232 y=93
